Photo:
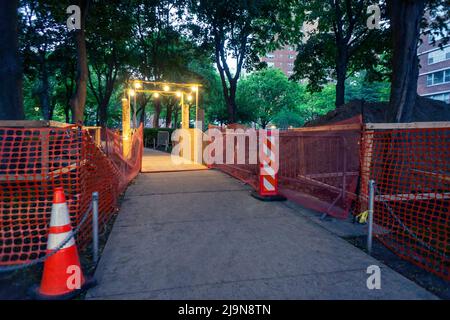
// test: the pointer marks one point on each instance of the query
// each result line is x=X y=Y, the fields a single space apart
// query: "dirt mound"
x=376 y=112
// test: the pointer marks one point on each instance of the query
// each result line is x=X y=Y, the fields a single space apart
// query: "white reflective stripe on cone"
x=55 y=239
x=60 y=215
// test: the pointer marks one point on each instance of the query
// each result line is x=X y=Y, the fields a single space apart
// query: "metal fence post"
x=371 y=207
x=95 y=226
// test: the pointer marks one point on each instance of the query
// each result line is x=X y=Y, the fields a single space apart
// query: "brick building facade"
x=282 y=59
x=434 y=72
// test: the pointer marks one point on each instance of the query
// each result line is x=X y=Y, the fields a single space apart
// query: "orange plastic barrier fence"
x=318 y=167
x=411 y=169
x=328 y=169
x=36 y=160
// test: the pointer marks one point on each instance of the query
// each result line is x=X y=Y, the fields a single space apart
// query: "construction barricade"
x=328 y=168
x=318 y=166
x=410 y=164
x=36 y=159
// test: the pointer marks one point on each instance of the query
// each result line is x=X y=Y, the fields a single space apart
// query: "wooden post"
x=98 y=136
x=367 y=153
x=184 y=114
x=126 y=129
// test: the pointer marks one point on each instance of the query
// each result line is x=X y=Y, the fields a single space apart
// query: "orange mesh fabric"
x=318 y=169
x=411 y=168
x=35 y=161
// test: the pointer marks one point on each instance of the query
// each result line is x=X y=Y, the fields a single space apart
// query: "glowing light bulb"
x=194 y=89
x=189 y=98
x=166 y=88
x=156 y=95
x=131 y=92
x=137 y=85
x=178 y=93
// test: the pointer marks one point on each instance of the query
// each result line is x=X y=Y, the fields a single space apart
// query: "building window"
x=439 y=55
x=445 y=97
x=439 y=77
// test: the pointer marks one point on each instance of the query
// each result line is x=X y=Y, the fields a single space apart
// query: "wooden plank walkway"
x=157 y=161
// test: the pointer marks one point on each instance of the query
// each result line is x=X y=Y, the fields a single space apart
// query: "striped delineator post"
x=268 y=168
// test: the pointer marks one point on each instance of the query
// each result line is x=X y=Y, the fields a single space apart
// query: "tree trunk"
x=143 y=115
x=78 y=100
x=169 y=111
x=103 y=113
x=175 y=117
x=44 y=95
x=67 y=114
x=231 y=104
x=157 y=106
x=11 y=103
x=405 y=24
x=341 y=74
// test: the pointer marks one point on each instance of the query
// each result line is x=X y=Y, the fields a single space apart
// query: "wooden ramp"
x=157 y=161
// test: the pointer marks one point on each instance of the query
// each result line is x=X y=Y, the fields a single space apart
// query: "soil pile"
x=376 y=112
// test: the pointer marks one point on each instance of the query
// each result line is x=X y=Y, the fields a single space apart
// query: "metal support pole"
x=371 y=206
x=95 y=226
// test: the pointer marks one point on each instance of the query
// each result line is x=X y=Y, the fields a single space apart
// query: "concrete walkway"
x=157 y=161
x=200 y=235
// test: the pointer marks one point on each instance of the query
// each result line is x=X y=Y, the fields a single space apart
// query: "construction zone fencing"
x=410 y=164
x=318 y=167
x=328 y=169
x=35 y=160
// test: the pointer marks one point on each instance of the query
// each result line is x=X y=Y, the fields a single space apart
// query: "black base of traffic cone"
x=89 y=283
x=256 y=195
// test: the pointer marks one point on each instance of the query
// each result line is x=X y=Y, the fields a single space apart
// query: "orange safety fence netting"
x=411 y=169
x=329 y=171
x=317 y=168
x=36 y=160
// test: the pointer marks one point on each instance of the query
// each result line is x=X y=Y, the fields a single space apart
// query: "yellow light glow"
x=189 y=98
x=194 y=89
x=178 y=93
x=137 y=85
x=156 y=95
x=131 y=92
x=166 y=88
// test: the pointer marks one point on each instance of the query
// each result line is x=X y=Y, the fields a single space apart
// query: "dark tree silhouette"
x=11 y=104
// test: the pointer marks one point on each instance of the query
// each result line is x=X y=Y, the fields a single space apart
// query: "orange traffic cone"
x=62 y=277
